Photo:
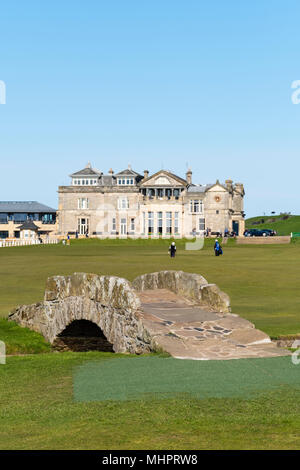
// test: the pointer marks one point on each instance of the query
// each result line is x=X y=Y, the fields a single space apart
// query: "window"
x=83 y=226
x=160 y=223
x=83 y=203
x=176 y=222
x=196 y=206
x=150 y=223
x=127 y=181
x=201 y=224
x=132 y=225
x=123 y=203
x=3 y=218
x=113 y=225
x=168 y=222
x=169 y=193
x=123 y=227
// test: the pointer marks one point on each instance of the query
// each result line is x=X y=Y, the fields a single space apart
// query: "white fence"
x=16 y=242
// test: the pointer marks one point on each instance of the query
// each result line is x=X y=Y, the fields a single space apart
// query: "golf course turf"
x=100 y=400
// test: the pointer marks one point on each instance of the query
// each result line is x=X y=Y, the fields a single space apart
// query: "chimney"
x=228 y=184
x=189 y=176
x=110 y=171
x=146 y=174
x=239 y=187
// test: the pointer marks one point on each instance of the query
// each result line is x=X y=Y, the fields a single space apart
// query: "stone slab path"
x=188 y=331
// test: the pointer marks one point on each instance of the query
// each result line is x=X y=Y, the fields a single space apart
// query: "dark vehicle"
x=253 y=232
x=266 y=232
x=259 y=233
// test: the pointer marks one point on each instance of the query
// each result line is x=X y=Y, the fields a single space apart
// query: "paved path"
x=188 y=331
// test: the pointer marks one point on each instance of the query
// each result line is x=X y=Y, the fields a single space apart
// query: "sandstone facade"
x=128 y=204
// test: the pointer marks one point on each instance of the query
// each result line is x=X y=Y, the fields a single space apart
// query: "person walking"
x=218 y=248
x=172 y=250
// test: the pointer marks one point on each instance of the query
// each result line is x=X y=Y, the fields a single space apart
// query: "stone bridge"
x=177 y=312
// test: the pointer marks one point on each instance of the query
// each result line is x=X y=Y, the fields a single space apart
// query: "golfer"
x=172 y=250
x=218 y=248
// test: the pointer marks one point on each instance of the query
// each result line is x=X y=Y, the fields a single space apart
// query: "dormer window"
x=84 y=181
x=125 y=181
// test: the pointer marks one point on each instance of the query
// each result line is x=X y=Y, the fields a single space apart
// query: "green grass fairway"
x=240 y=404
x=154 y=377
x=38 y=411
x=262 y=281
x=282 y=227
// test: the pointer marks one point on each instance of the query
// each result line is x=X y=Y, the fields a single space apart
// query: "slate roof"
x=87 y=171
x=107 y=180
x=199 y=188
x=24 y=207
x=28 y=225
x=128 y=171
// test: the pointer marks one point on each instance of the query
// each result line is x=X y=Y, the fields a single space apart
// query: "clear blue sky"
x=160 y=83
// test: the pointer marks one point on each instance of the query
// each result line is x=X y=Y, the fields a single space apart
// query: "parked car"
x=253 y=232
x=267 y=232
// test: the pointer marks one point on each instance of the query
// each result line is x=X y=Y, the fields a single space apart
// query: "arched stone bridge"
x=173 y=311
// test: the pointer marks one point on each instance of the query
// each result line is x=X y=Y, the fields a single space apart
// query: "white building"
x=159 y=205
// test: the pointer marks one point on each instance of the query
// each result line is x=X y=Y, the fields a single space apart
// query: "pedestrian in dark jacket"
x=172 y=250
x=218 y=248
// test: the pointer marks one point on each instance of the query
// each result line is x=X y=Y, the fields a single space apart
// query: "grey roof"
x=128 y=171
x=24 y=207
x=87 y=171
x=107 y=180
x=28 y=225
x=198 y=188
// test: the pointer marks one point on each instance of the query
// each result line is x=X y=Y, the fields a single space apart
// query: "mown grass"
x=262 y=281
x=38 y=411
x=21 y=340
x=282 y=227
x=37 y=406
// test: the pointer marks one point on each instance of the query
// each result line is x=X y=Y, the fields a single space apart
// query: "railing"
x=7 y=243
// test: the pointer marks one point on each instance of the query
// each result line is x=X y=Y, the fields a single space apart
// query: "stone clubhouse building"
x=128 y=204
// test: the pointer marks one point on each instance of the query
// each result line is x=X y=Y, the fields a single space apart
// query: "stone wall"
x=107 y=301
x=263 y=240
x=191 y=286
